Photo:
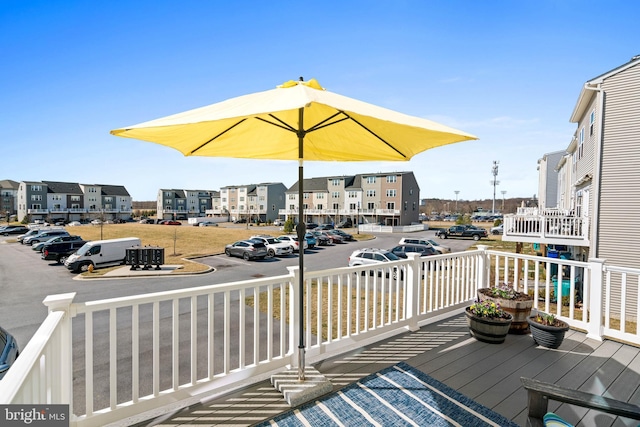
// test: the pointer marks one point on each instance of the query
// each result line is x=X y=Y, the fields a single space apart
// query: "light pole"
x=457 y=192
x=494 y=182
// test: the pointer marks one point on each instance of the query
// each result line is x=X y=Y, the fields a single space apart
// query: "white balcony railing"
x=156 y=352
x=549 y=227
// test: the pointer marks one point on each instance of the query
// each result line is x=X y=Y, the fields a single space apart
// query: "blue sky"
x=509 y=72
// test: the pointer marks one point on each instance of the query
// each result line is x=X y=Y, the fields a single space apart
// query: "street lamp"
x=456 y=191
x=494 y=182
x=358 y=219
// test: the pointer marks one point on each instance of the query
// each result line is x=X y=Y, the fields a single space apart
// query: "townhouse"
x=67 y=201
x=387 y=198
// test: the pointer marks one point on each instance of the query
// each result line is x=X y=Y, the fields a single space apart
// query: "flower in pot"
x=518 y=304
x=488 y=322
x=547 y=330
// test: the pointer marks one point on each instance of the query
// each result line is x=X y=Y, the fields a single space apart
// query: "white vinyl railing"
x=127 y=358
x=548 y=225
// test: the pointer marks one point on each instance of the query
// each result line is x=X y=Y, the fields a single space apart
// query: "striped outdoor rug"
x=397 y=396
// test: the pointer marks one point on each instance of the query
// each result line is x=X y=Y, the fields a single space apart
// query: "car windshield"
x=83 y=250
x=391 y=256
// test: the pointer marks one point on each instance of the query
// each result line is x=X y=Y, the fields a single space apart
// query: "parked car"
x=346 y=223
x=9 y=351
x=345 y=236
x=147 y=221
x=14 y=229
x=247 y=249
x=293 y=241
x=74 y=224
x=208 y=224
x=44 y=236
x=372 y=256
x=96 y=222
x=31 y=232
x=240 y=221
x=311 y=239
x=311 y=225
x=439 y=247
x=60 y=251
x=334 y=239
x=278 y=223
x=321 y=239
x=171 y=222
x=275 y=247
x=38 y=247
x=497 y=230
x=325 y=227
x=402 y=250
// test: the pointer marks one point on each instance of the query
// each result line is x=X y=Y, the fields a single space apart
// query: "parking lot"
x=25 y=279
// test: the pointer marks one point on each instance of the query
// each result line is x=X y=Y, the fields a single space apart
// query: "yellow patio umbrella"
x=298 y=120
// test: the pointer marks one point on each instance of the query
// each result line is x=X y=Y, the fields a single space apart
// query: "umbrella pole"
x=301 y=239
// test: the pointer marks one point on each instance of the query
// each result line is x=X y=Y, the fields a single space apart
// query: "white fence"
x=133 y=357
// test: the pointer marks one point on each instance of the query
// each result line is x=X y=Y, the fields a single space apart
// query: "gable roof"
x=588 y=89
x=63 y=187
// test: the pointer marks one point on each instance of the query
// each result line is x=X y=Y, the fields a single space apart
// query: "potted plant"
x=518 y=304
x=547 y=330
x=488 y=322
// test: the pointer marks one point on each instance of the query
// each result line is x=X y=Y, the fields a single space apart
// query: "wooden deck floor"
x=488 y=373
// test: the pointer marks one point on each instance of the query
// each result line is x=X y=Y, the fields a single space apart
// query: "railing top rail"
x=29 y=357
x=176 y=293
x=539 y=258
x=618 y=269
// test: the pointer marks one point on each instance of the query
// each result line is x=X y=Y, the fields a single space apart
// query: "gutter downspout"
x=595 y=218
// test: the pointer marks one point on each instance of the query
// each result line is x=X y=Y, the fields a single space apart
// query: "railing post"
x=294 y=315
x=592 y=291
x=484 y=264
x=62 y=302
x=413 y=278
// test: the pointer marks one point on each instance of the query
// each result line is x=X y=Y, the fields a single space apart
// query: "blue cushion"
x=552 y=420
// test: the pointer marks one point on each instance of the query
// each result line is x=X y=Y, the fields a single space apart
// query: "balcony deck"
x=488 y=373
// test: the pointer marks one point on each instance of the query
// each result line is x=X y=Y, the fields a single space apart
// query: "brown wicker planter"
x=519 y=308
x=487 y=329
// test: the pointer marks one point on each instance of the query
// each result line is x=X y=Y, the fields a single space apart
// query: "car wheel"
x=227 y=252
x=271 y=253
x=245 y=256
x=85 y=267
x=61 y=259
x=476 y=237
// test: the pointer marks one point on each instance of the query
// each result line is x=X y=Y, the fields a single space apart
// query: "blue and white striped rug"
x=396 y=396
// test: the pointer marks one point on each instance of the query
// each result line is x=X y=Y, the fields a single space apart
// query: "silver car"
x=247 y=249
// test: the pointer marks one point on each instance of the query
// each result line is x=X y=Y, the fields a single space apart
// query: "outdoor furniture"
x=539 y=393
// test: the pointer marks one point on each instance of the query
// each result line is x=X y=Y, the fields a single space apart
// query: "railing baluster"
x=113 y=360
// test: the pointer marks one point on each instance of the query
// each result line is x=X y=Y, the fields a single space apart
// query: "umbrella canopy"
x=266 y=125
x=296 y=121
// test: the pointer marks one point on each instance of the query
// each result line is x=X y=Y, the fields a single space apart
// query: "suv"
x=424 y=250
x=60 y=251
x=44 y=236
x=275 y=247
x=413 y=241
x=14 y=229
x=293 y=241
x=372 y=256
x=247 y=249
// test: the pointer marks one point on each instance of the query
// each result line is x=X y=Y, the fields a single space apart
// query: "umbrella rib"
x=376 y=135
x=217 y=136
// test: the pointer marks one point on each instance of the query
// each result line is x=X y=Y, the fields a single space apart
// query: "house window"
x=319 y=206
x=306 y=195
x=319 y=195
x=371 y=193
x=581 y=143
x=371 y=206
x=36 y=197
x=353 y=194
x=335 y=182
x=392 y=178
x=36 y=188
x=391 y=193
x=592 y=122
x=335 y=195
x=371 y=180
x=391 y=205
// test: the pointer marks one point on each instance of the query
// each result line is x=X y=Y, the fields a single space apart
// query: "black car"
x=14 y=229
x=60 y=251
x=8 y=351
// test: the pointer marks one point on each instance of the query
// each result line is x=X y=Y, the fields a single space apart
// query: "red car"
x=171 y=223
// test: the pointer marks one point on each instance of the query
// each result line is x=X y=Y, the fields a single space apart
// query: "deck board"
x=488 y=373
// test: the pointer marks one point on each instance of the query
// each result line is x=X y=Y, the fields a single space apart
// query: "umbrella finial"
x=301 y=79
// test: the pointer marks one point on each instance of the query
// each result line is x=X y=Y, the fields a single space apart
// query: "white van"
x=101 y=253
